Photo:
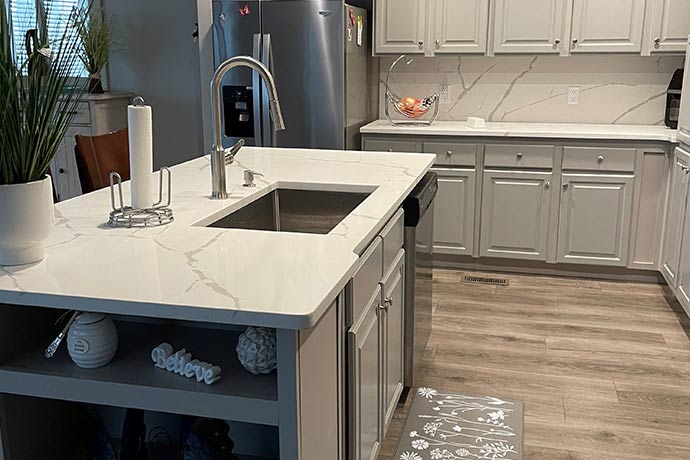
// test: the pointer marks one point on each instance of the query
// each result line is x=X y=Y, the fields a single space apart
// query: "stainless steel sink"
x=300 y=211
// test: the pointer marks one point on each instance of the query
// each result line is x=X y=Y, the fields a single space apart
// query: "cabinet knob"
x=421 y=44
x=519 y=156
x=449 y=153
x=547 y=185
x=438 y=44
x=600 y=159
x=390 y=150
x=557 y=42
x=575 y=42
x=657 y=42
x=565 y=186
x=61 y=170
x=221 y=16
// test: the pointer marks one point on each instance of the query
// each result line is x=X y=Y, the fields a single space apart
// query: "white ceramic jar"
x=92 y=340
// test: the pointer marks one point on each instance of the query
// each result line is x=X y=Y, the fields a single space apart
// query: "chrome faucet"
x=219 y=156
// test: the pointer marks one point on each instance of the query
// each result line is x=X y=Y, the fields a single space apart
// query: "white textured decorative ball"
x=256 y=350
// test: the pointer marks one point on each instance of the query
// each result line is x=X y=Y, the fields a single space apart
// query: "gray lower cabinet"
x=594 y=224
x=454 y=211
x=392 y=337
x=381 y=145
x=675 y=218
x=515 y=214
x=365 y=382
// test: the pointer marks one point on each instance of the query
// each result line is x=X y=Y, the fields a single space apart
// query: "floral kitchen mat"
x=443 y=426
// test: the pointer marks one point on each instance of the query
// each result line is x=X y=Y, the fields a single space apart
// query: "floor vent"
x=484 y=280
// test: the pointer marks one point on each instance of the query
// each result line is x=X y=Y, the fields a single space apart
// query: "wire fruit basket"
x=412 y=109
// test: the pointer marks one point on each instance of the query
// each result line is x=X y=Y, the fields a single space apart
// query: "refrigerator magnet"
x=360 y=30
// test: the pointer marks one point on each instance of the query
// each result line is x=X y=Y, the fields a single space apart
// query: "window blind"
x=23 y=16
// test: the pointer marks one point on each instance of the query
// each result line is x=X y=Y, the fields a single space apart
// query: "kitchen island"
x=198 y=287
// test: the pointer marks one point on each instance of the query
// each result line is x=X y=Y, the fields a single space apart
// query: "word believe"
x=181 y=363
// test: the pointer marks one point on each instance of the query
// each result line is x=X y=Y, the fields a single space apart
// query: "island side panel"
x=321 y=387
x=310 y=390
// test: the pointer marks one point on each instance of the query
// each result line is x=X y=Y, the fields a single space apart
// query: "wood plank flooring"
x=603 y=367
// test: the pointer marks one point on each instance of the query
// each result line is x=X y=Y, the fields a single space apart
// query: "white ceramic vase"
x=27 y=216
x=92 y=340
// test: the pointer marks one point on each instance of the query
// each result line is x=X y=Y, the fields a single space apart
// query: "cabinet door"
x=400 y=26
x=675 y=217
x=683 y=290
x=670 y=25
x=594 y=225
x=365 y=382
x=460 y=26
x=515 y=214
x=611 y=26
x=393 y=304
x=528 y=26
x=454 y=212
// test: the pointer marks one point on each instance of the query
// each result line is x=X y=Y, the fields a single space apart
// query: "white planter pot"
x=27 y=216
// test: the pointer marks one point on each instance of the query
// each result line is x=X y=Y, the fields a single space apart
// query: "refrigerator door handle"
x=257 y=93
x=267 y=60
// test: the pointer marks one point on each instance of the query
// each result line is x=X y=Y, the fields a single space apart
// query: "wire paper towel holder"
x=128 y=217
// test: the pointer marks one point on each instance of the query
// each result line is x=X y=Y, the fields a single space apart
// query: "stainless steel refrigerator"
x=319 y=54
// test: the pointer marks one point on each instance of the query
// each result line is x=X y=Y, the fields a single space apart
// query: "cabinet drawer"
x=366 y=280
x=599 y=158
x=82 y=116
x=519 y=155
x=377 y=145
x=392 y=237
x=452 y=154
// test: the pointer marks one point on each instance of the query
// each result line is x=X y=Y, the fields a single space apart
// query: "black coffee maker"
x=675 y=88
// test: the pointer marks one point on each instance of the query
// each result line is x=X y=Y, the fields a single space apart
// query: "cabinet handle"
x=449 y=153
x=600 y=159
x=438 y=44
x=384 y=306
x=61 y=170
x=547 y=185
x=565 y=186
x=657 y=42
x=575 y=42
x=519 y=156
x=390 y=150
x=421 y=44
x=556 y=42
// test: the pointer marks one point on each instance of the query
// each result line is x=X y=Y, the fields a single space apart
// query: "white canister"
x=92 y=340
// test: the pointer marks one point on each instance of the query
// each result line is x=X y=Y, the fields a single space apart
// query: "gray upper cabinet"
x=594 y=222
x=392 y=334
x=669 y=25
x=365 y=383
x=528 y=26
x=454 y=212
x=610 y=26
x=675 y=218
x=515 y=214
x=400 y=26
x=460 y=26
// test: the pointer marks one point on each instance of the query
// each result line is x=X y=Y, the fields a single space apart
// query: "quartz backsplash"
x=613 y=88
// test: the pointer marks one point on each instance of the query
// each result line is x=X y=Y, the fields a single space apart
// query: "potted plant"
x=96 y=43
x=38 y=99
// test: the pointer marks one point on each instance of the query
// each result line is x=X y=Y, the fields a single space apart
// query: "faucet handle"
x=232 y=151
x=249 y=176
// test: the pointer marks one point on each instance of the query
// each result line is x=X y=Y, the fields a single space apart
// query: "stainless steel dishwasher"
x=419 y=276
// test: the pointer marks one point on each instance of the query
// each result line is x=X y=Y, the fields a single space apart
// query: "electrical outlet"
x=573 y=95
x=445 y=94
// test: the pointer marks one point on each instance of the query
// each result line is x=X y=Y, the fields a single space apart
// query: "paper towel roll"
x=140 y=155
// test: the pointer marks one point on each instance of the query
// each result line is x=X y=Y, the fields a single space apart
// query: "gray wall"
x=158 y=59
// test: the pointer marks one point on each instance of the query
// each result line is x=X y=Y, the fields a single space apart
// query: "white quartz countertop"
x=189 y=272
x=538 y=130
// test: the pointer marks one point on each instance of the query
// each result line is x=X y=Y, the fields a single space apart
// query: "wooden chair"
x=98 y=156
